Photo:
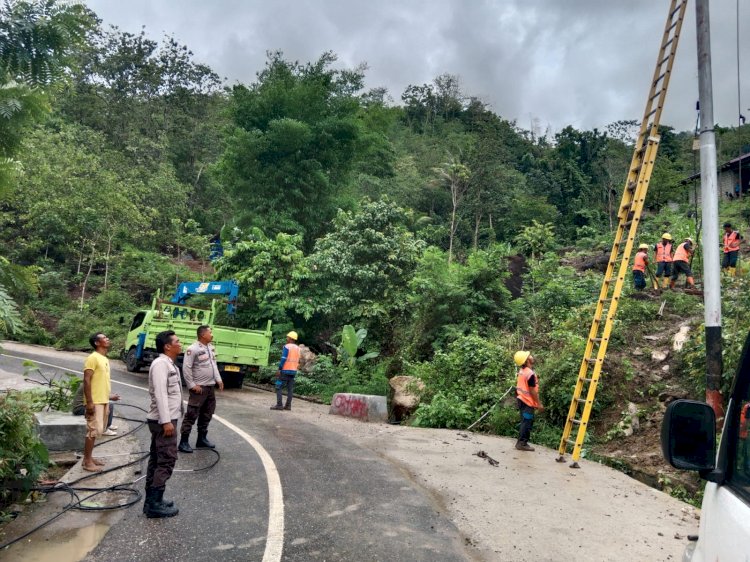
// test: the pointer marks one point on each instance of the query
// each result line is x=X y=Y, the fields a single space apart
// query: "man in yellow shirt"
x=96 y=394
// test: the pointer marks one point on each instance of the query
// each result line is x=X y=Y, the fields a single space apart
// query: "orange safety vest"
x=663 y=252
x=292 y=357
x=743 y=421
x=682 y=253
x=731 y=242
x=641 y=259
x=522 y=387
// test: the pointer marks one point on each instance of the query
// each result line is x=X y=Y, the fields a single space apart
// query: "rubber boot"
x=732 y=271
x=691 y=282
x=672 y=283
x=184 y=446
x=160 y=498
x=155 y=509
x=665 y=283
x=202 y=442
x=155 y=496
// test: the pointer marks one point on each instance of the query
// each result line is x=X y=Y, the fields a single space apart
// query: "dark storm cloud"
x=547 y=62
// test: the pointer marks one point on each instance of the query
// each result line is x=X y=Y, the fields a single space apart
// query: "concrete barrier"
x=365 y=407
x=60 y=431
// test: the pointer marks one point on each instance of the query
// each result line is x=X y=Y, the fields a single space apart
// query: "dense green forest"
x=448 y=232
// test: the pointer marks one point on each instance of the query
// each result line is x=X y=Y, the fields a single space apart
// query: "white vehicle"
x=688 y=440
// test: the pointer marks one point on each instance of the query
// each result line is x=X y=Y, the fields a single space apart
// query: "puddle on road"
x=65 y=545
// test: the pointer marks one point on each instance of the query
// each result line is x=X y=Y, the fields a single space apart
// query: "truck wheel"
x=131 y=361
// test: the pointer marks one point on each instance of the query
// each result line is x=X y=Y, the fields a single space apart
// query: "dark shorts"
x=730 y=259
x=681 y=267
x=639 y=280
x=663 y=269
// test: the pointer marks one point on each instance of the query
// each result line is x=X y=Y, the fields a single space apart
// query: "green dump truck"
x=238 y=350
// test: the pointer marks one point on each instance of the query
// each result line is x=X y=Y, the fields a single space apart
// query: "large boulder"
x=306 y=359
x=405 y=396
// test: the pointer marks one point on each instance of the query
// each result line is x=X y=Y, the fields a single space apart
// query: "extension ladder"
x=629 y=214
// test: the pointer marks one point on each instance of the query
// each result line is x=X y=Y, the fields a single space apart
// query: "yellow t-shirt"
x=100 y=385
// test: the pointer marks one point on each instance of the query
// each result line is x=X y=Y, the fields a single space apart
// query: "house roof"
x=743 y=160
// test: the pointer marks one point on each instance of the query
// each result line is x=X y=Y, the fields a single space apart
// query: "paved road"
x=340 y=501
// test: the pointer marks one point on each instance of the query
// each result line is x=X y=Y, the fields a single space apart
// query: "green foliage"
x=448 y=300
x=294 y=143
x=23 y=457
x=58 y=390
x=328 y=378
x=351 y=341
x=38 y=39
x=466 y=379
x=537 y=239
x=554 y=293
x=359 y=270
x=270 y=272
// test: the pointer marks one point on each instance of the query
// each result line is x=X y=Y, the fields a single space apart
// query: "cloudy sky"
x=585 y=63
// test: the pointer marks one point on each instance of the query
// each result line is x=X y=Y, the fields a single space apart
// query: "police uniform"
x=199 y=368
x=165 y=391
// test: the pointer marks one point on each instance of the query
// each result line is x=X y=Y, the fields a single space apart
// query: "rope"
x=493 y=406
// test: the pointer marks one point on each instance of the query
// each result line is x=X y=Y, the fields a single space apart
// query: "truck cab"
x=688 y=440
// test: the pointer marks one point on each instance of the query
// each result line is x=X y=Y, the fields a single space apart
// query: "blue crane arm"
x=229 y=288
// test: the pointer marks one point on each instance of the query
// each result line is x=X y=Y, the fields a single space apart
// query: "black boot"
x=166 y=503
x=203 y=442
x=154 y=509
x=184 y=446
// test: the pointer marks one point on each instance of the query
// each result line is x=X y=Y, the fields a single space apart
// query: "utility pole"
x=710 y=210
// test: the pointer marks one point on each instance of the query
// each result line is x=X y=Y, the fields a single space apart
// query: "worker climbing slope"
x=681 y=263
x=663 y=254
x=639 y=267
x=731 y=249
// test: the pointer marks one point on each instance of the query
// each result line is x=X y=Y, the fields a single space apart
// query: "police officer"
x=201 y=374
x=165 y=392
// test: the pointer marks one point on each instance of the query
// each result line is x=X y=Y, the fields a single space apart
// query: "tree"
x=455 y=176
x=270 y=272
x=358 y=272
x=37 y=39
x=295 y=141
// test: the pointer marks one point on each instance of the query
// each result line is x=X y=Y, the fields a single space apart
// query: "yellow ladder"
x=629 y=215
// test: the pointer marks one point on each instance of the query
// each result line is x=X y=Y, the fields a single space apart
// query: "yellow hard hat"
x=520 y=357
x=292 y=335
x=666 y=236
x=690 y=240
x=643 y=247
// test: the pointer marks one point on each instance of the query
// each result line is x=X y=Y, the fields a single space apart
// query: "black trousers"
x=163 y=455
x=200 y=407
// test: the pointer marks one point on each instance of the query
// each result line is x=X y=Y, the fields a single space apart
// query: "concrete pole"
x=710 y=212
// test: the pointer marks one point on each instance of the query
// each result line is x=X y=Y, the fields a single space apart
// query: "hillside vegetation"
x=451 y=234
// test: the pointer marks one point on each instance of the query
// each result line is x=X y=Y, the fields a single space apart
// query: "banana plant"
x=351 y=341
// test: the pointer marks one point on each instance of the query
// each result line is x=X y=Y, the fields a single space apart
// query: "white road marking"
x=275 y=534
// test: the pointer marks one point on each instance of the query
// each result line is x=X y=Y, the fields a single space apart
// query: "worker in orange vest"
x=731 y=249
x=663 y=251
x=287 y=371
x=681 y=263
x=527 y=397
x=639 y=267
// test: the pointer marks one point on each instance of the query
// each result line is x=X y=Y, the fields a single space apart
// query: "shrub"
x=22 y=455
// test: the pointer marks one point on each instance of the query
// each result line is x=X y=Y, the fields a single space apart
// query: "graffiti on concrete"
x=352 y=406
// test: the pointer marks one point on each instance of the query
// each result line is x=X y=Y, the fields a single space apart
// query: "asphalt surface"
x=340 y=500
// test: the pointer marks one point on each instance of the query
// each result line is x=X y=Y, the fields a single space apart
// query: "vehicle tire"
x=232 y=380
x=131 y=361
